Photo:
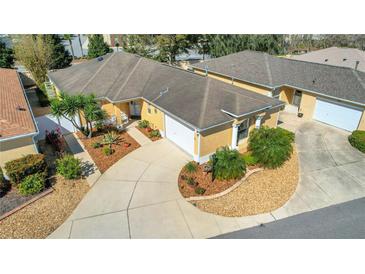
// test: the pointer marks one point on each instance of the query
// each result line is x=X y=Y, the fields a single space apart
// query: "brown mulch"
x=147 y=134
x=41 y=218
x=203 y=180
x=262 y=192
x=103 y=161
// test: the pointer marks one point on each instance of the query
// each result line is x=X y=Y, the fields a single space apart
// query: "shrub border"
x=41 y=195
x=228 y=190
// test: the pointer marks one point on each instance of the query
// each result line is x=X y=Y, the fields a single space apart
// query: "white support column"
x=258 y=121
x=234 y=136
x=197 y=156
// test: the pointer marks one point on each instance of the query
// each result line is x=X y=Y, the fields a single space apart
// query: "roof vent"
x=20 y=108
x=344 y=59
x=100 y=58
x=314 y=81
x=357 y=64
x=326 y=60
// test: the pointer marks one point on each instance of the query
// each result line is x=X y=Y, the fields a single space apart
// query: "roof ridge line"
x=129 y=76
x=268 y=68
x=355 y=72
x=97 y=72
x=205 y=102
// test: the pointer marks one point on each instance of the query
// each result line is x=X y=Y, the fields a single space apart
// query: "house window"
x=149 y=109
x=155 y=110
x=242 y=131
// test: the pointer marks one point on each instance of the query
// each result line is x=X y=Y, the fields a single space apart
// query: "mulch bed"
x=40 y=218
x=147 y=134
x=262 y=192
x=103 y=161
x=203 y=180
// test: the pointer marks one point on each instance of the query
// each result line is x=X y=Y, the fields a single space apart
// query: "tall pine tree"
x=97 y=46
x=60 y=57
x=6 y=56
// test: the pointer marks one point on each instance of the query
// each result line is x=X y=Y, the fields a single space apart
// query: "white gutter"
x=33 y=134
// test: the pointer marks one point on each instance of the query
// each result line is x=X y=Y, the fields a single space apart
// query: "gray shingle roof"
x=343 y=57
x=270 y=71
x=196 y=100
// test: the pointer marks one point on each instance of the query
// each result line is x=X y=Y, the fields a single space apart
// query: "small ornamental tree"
x=70 y=106
x=228 y=164
x=97 y=46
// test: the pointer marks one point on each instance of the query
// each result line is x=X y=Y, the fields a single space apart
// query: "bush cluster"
x=30 y=164
x=250 y=160
x=228 y=164
x=155 y=133
x=69 y=167
x=4 y=186
x=191 y=167
x=32 y=184
x=143 y=124
x=357 y=140
x=108 y=151
x=271 y=146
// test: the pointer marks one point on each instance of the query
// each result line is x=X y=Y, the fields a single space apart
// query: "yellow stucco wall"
x=362 y=122
x=286 y=95
x=271 y=118
x=210 y=141
x=14 y=149
x=156 y=117
x=307 y=105
x=238 y=83
x=119 y=108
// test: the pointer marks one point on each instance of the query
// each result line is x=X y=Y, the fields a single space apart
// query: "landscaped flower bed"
x=144 y=127
x=101 y=153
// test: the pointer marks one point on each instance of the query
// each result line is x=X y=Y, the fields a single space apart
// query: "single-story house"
x=342 y=57
x=330 y=94
x=17 y=123
x=197 y=113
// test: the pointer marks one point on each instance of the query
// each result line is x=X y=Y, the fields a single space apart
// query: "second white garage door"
x=337 y=114
x=179 y=134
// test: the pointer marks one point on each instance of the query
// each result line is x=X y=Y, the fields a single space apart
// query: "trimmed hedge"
x=30 y=164
x=32 y=184
x=69 y=167
x=357 y=140
x=228 y=164
x=271 y=146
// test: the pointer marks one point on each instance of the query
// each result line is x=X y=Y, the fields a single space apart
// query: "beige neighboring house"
x=17 y=123
x=330 y=94
x=342 y=57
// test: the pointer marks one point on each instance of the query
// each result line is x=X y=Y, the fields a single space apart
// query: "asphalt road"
x=342 y=221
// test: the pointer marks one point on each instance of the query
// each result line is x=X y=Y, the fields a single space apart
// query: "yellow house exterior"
x=16 y=148
x=286 y=94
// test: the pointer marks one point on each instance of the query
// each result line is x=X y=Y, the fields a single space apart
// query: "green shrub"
x=96 y=145
x=228 y=164
x=271 y=146
x=69 y=167
x=110 y=138
x=357 y=140
x=191 y=167
x=155 y=133
x=108 y=151
x=287 y=133
x=42 y=98
x=143 y=124
x=32 y=184
x=200 y=190
x=250 y=160
x=4 y=185
x=191 y=182
x=20 y=168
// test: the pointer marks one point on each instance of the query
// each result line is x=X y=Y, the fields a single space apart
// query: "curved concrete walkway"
x=138 y=197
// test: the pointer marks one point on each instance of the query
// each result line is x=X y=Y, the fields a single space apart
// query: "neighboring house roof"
x=342 y=57
x=272 y=72
x=198 y=101
x=15 y=114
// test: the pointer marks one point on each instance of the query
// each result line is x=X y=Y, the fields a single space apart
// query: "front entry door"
x=135 y=109
x=297 y=98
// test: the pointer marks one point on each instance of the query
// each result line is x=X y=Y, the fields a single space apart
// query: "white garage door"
x=337 y=114
x=179 y=134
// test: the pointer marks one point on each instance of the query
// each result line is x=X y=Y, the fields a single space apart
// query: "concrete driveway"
x=138 y=196
x=331 y=170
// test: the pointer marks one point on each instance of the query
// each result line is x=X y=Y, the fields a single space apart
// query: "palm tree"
x=69 y=37
x=82 y=52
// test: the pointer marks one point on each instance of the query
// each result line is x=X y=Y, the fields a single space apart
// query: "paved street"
x=138 y=196
x=342 y=221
